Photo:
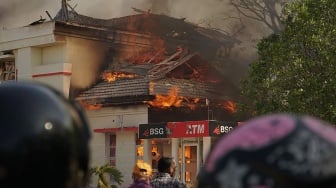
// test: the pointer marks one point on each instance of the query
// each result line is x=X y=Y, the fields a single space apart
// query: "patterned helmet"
x=273 y=151
x=43 y=138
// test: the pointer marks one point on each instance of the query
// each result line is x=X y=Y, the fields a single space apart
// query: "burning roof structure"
x=156 y=59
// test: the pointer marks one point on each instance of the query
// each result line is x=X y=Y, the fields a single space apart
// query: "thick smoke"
x=209 y=13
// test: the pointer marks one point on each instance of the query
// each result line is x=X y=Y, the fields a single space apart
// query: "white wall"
x=126 y=154
x=55 y=75
x=35 y=47
x=116 y=117
x=58 y=60
x=26 y=59
x=54 y=54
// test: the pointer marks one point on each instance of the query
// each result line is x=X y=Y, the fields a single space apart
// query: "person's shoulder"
x=141 y=184
x=179 y=183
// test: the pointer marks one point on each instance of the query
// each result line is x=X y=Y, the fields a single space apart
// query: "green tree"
x=102 y=171
x=296 y=68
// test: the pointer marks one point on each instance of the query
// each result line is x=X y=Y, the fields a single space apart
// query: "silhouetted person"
x=165 y=177
x=273 y=151
x=43 y=138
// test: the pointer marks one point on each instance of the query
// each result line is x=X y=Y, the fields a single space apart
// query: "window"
x=7 y=70
x=111 y=149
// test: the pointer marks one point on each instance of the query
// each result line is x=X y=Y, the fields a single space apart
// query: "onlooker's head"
x=167 y=165
x=279 y=150
x=43 y=138
x=142 y=170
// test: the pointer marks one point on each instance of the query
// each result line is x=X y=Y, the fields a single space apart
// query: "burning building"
x=151 y=84
x=165 y=63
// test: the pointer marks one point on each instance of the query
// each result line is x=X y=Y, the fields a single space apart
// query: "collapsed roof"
x=188 y=57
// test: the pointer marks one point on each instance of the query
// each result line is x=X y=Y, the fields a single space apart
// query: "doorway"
x=190 y=164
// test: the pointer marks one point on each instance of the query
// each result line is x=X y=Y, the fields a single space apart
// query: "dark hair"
x=165 y=163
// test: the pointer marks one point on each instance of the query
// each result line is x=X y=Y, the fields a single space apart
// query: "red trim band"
x=52 y=74
x=112 y=130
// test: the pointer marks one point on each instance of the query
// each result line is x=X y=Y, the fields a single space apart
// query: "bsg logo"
x=156 y=131
x=225 y=129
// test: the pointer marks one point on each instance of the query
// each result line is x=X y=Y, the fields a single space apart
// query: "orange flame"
x=165 y=101
x=151 y=87
x=192 y=103
x=90 y=106
x=113 y=76
x=172 y=99
x=230 y=106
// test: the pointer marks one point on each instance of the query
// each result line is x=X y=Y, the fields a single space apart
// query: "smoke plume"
x=217 y=14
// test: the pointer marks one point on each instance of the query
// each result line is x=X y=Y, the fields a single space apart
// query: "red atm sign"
x=186 y=129
x=174 y=129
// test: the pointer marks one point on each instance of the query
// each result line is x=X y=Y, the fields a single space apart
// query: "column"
x=147 y=151
x=206 y=147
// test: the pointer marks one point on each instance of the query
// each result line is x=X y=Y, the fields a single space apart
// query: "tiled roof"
x=116 y=89
x=155 y=81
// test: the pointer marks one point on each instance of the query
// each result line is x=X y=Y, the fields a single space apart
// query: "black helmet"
x=43 y=138
x=273 y=151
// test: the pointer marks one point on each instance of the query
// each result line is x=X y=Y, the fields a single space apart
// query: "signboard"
x=154 y=130
x=184 y=129
x=188 y=129
x=219 y=128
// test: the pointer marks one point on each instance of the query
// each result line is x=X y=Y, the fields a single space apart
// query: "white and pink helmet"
x=273 y=151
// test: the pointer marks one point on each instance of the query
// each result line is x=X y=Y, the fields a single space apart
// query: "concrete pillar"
x=147 y=151
x=206 y=147
x=175 y=149
x=26 y=59
x=30 y=66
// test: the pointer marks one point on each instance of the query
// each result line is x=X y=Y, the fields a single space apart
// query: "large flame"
x=172 y=99
x=113 y=76
x=166 y=101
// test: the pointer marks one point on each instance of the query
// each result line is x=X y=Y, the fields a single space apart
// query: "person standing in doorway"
x=165 y=177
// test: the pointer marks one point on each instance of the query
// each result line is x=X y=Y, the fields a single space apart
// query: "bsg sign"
x=156 y=130
x=218 y=128
x=225 y=129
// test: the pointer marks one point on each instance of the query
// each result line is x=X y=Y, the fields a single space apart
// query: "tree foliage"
x=103 y=180
x=296 y=68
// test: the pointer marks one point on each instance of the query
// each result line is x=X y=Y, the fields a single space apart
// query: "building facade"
x=71 y=56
